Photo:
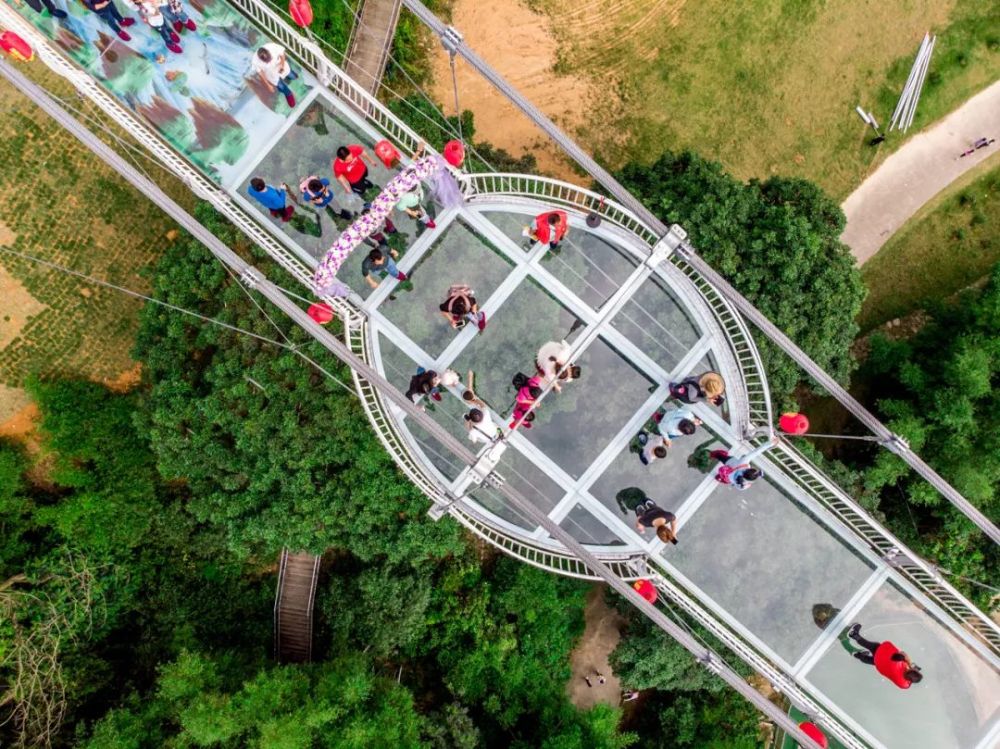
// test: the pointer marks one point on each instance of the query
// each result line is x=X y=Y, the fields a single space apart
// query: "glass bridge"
x=753 y=567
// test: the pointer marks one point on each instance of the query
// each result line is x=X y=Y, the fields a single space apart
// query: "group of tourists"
x=166 y=17
x=350 y=171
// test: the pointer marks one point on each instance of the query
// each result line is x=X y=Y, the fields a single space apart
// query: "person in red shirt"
x=550 y=228
x=890 y=661
x=350 y=169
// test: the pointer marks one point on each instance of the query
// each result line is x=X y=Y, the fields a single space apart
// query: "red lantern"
x=454 y=153
x=810 y=730
x=16 y=47
x=386 y=153
x=321 y=312
x=645 y=589
x=301 y=12
x=793 y=423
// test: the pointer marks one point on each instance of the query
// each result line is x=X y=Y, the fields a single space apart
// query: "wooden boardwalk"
x=371 y=40
x=293 y=607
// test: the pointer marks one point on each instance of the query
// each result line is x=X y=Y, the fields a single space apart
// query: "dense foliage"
x=266 y=443
x=777 y=242
x=939 y=390
x=139 y=568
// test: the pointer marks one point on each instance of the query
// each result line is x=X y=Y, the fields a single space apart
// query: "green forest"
x=139 y=542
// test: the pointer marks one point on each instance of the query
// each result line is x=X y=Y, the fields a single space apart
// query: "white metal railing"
x=312 y=57
x=757 y=410
x=780 y=680
x=167 y=156
x=811 y=480
x=535 y=554
x=556 y=192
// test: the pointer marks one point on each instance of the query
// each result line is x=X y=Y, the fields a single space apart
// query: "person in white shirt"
x=152 y=15
x=680 y=422
x=481 y=426
x=553 y=357
x=271 y=65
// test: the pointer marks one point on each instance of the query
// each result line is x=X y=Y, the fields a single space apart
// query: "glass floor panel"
x=954 y=706
x=511 y=225
x=655 y=322
x=589 y=266
x=668 y=481
x=438 y=455
x=532 y=481
x=573 y=427
x=492 y=500
x=528 y=318
x=199 y=101
x=588 y=529
x=397 y=367
x=460 y=255
x=308 y=147
x=766 y=560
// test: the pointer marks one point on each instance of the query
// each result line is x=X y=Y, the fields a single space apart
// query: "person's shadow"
x=630 y=498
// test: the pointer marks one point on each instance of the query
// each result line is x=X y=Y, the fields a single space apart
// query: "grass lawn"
x=767 y=86
x=951 y=243
x=60 y=203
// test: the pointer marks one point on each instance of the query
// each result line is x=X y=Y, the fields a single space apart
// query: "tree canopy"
x=939 y=391
x=777 y=242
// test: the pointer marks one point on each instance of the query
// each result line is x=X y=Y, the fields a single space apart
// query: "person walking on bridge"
x=550 y=228
x=890 y=661
x=272 y=67
x=271 y=197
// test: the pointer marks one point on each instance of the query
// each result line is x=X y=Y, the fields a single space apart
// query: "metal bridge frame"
x=453 y=43
x=580 y=563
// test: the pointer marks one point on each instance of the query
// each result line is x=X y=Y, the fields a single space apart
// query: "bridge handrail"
x=757 y=410
x=811 y=480
x=781 y=681
x=537 y=555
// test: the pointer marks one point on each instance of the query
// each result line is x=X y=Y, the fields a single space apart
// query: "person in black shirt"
x=647 y=514
x=424 y=382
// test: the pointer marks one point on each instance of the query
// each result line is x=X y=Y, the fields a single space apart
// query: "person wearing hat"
x=708 y=386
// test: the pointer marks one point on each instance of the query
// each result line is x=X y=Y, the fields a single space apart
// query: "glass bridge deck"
x=761 y=560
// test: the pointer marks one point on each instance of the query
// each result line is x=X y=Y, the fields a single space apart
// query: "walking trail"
x=918 y=171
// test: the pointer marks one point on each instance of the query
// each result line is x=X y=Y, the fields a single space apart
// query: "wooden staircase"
x=293 y=607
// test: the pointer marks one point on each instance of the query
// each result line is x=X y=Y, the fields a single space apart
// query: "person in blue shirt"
x=271 y=197
x=318 y=194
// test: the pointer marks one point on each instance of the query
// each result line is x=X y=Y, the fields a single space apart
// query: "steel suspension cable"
x=175 y=308
x=618 y=191
x=255 y=279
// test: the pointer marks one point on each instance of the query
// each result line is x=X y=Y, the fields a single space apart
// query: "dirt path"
x=527 y=58
x=600 y=637
x=918 y=171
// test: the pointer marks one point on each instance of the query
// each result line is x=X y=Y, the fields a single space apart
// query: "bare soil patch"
x=521 y=44
x=18 y=305
x=15 y=412
x=600 y=636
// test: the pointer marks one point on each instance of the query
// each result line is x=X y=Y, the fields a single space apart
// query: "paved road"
x=918 y=171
